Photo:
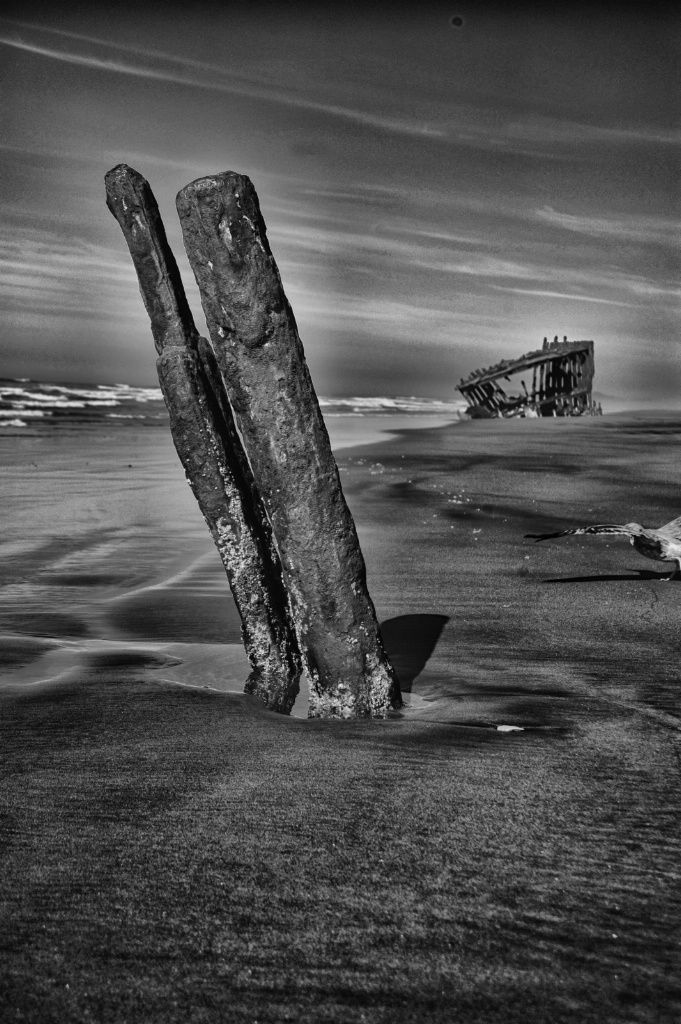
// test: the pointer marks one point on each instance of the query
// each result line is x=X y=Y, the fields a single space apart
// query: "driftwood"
x=209 y=447
x=261 y=359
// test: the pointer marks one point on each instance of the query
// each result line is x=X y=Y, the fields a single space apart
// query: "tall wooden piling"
x=263 y=366
x=209 y=447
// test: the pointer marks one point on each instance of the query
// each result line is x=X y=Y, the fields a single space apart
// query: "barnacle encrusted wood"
x=260 y=355
x=209 y=447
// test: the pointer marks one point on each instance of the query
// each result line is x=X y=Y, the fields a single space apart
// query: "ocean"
x=39 y=405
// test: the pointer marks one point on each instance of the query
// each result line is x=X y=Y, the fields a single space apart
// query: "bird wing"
x=601 y=528
x=672 y=529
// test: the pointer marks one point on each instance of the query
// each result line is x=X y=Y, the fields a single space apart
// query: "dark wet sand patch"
x=121 y=660
x=17 y=651
x=220 y=667
x=84 y=579
x=174 y=616
x=43 y=623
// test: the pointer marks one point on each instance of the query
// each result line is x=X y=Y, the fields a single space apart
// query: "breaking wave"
x=389 y=406
x=26 y=403
x=23 y=402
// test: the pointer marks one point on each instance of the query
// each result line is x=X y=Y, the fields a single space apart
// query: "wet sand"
x=104 y=549
x=504 y=849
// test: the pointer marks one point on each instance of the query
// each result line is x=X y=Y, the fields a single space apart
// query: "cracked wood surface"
x=263 y=366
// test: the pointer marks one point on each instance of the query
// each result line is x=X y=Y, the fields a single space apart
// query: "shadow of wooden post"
x=263 y=367
x=209 y=447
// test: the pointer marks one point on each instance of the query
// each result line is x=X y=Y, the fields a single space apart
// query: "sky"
x=443 y=184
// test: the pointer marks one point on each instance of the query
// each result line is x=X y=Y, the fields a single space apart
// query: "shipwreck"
x=555 y=380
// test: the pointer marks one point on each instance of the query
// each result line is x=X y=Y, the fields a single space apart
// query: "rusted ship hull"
x=561 y=383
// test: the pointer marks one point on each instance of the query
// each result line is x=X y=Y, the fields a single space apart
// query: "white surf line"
x=205 y=686
x=171 y=581
x=63 y=676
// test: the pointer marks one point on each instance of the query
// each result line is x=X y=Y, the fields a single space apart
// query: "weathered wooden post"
x=209 y=447
x=260 y=355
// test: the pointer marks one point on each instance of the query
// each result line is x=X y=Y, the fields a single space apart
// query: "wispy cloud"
x=47 y=272
x=218 y=80
x=142 y=51
x=636 y=228
x=565 y=270
x=413 y=323
x=544 y=269
x=99 y=63
x=464 y=124
x=479 y=265
x=560 y=131
x=559 y=295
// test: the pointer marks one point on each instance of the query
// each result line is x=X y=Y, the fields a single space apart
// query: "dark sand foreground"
x=175 y=853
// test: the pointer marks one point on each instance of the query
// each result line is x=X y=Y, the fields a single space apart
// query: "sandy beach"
x=506 y=848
